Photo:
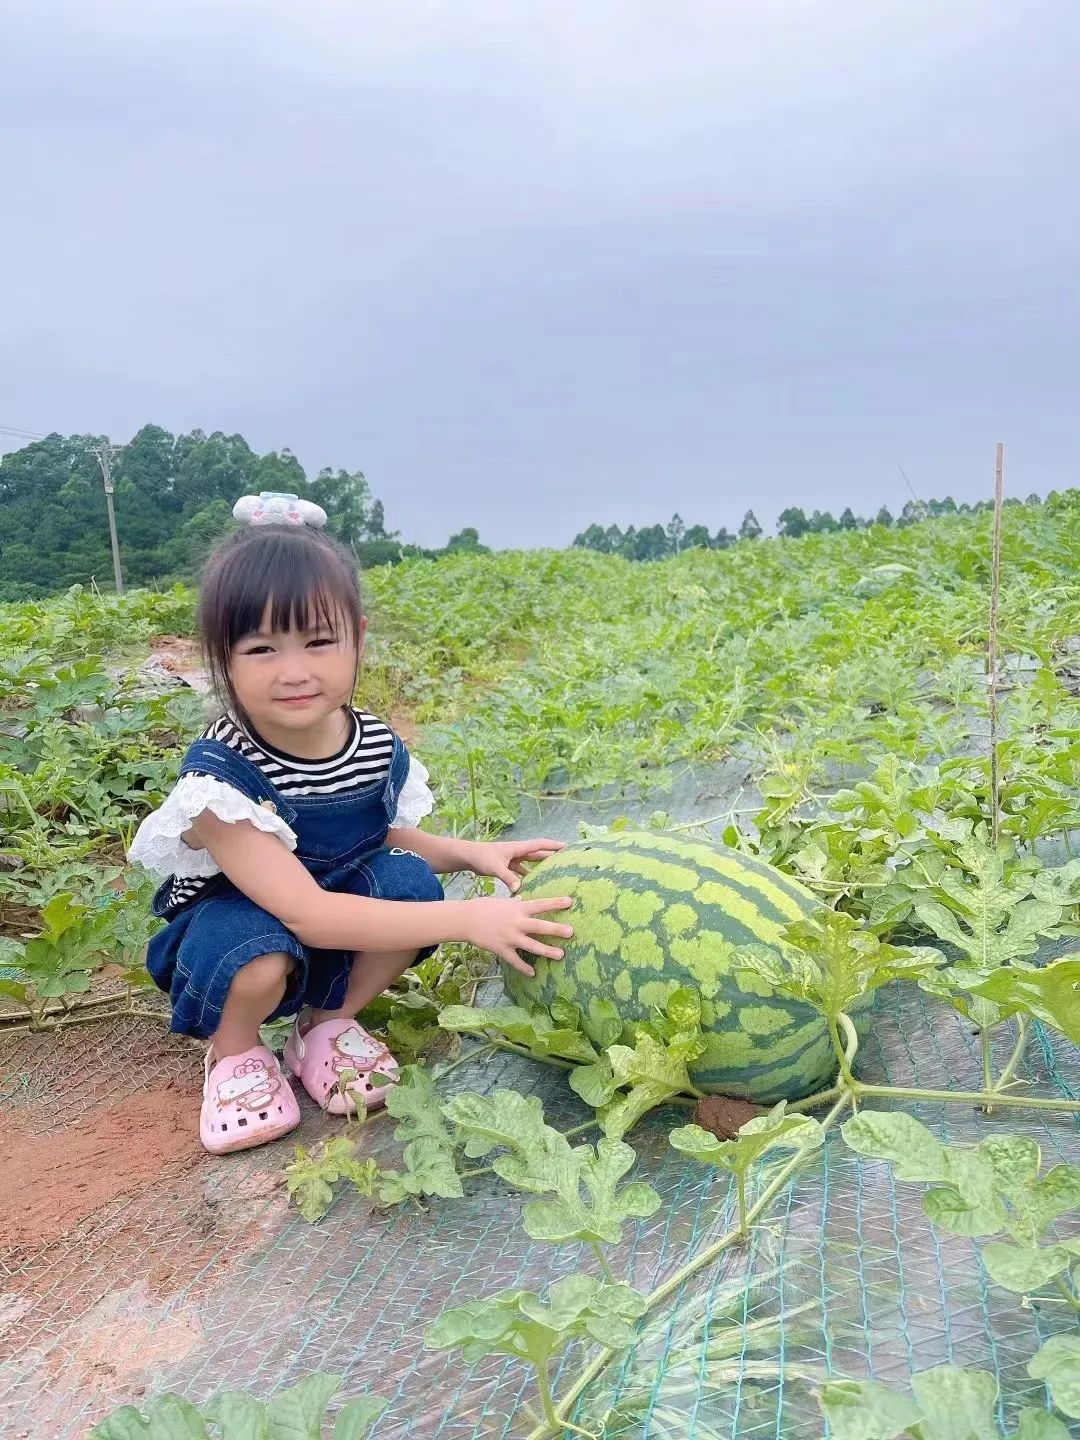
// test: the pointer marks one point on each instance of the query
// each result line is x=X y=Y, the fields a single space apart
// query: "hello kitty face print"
x=353 y=1050
x=251 y=1086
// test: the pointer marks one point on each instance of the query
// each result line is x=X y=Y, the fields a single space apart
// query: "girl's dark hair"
x=306 y=577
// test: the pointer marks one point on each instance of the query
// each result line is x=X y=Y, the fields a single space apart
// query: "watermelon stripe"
x=751 y=916
x=782 y=899
x=743 y=921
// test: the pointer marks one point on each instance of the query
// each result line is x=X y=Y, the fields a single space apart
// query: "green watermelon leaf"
x=949 y=1404
x=759 y=1136
x=913 y=1152
x=535 y=1030
x=1038 y=1425
x=652 y=1072
x=429 y=1170
x=167 y=1418
x=239 y=1416
x=1057 y=1363
x=297 y=1413
x=355 y=1419
x=1024 y=1271
x=950 y=1210
x=310 y=1178
x=534 y=1328
x=980 y=1191
x=1041 y=1202
x=596 y=1084
x=683 y=1009
x=1051 y=994
x=416 y=1102
x=597 y=1220
x=956 y=1404
x=504 y=1120
x=990 y=906
x=541 y=1161
x=831 y=962
x=867 y=1410
x=603 y=1024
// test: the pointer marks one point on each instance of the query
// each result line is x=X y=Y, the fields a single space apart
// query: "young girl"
x=296 y=881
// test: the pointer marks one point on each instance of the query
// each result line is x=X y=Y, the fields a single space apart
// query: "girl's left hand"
x=504 y=859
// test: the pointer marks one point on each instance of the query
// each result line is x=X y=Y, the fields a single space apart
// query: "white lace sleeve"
x=415 y=800
x=158 y=847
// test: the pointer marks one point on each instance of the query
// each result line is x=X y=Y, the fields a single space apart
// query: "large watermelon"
x=653 y=912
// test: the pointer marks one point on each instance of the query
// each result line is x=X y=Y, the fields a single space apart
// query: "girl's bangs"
x=300 y=591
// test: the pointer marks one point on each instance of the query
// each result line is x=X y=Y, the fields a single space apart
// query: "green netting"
x=843 y=1276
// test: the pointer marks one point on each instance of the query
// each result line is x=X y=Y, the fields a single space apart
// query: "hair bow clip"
x=277 y=507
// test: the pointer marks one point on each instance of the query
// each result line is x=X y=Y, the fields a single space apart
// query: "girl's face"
x=291 y=681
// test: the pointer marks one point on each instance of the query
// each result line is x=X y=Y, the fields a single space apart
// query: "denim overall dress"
x=340 y=840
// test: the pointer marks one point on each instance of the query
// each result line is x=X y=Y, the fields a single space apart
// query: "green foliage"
x=537 y=1031
x=949 y=1404
x=588 y=1205
x=842 y=668
x=981 y=1191
x=173 y=501
x=533 y=1327
x=764 y=1133
x=310 y=1178
x=651 y=1071
x=1057 y=1363
x=428 y=1154
x=298 y=1413
x=989 y=916
x=1051 y=993
x=831 y=962
x=75 y=937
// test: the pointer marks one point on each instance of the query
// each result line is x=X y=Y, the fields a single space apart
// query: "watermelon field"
x=787 y=1146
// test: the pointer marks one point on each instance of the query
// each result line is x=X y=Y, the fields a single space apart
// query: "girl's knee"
x=264 y=973
x=409 y=877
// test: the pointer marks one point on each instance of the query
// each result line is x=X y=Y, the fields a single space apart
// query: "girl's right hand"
x=506 y=926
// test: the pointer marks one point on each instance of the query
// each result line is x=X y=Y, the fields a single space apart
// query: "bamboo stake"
x=992 y=646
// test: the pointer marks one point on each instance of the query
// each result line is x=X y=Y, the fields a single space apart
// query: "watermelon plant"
x=298 y=1413
x=907 y=812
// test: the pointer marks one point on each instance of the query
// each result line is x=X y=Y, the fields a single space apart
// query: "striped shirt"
x=362 y=760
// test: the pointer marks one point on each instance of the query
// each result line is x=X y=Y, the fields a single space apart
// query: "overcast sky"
x=533 y=263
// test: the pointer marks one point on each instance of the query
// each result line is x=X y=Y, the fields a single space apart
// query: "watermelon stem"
x=502 y=1044
x=815 y=1101
x=740 y=1187
x=844 y=1054
x=596 y=1366
x=598 y=1251
x=987 y=1059
x=554 y=1423
x=1017 y=1055
x=966 y=1097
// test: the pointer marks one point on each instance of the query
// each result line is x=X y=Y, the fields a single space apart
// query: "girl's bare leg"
x=253 y=996
x=372 y=972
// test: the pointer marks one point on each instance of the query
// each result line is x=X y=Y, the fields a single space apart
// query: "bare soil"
x=48 y=1183
x=108 y=1203
x=722 y=1115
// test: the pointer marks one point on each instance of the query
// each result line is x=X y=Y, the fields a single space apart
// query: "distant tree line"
x=656 y=542
x=173 y=499
x=174 y=496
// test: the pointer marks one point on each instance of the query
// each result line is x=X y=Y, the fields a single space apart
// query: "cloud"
x=535 y=264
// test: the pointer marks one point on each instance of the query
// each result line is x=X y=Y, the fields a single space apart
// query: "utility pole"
x=104 y=456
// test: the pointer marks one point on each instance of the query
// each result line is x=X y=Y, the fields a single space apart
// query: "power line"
x=19 y=433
